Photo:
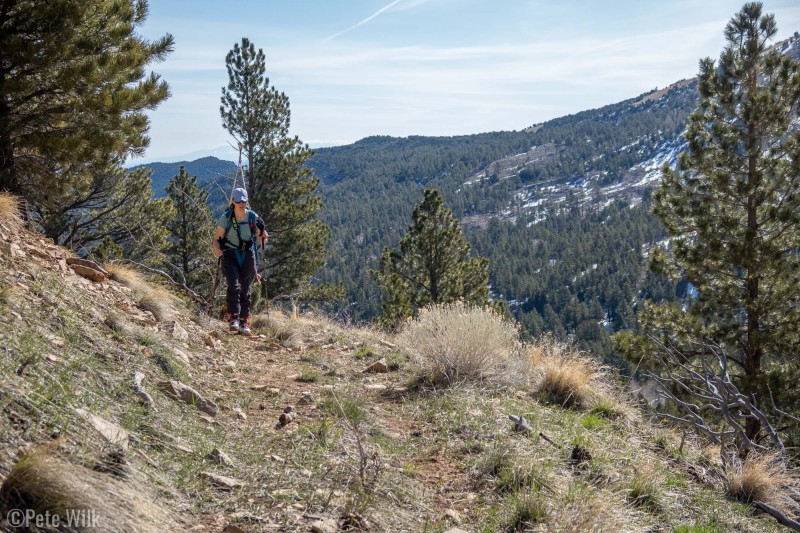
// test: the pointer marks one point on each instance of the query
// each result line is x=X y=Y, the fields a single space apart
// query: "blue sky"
x=354 y=68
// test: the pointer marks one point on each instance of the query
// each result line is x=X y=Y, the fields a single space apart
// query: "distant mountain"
x=533 y=202
x=213 y=174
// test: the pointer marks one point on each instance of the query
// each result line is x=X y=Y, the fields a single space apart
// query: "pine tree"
x=115 y=205
x=190 y=230
x=282 y=189
x=254 y=113
x=732 y=206
x=72 y=90
x=285 y=197
x=432 y=266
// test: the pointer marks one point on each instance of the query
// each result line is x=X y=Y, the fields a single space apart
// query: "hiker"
x=235 y=240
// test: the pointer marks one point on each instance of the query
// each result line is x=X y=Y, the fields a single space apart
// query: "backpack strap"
x=232 y=222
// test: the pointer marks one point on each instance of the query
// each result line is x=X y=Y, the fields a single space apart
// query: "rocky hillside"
x=120 y=401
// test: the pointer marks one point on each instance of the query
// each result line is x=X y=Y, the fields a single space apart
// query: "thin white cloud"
x=361 y=23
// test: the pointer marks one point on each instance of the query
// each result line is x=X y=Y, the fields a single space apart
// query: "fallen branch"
x=779 y=516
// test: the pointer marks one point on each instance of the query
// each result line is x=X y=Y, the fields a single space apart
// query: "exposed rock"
x=453 y=515
x=145 y=398
x=378 y=367
x=88 y=272
x=324 y=525
x=178 y=332
x=289 y=409
x=210 y=341
x=109 y=430
x=285 y=419
x=521 y=424
x=222 y=482
x=186 y=394
x=219 y=457
x=455 y=530
x=240 y=414
x=307 y=399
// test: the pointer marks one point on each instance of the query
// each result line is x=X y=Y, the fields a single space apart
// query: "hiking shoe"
x=244 y=326
x=233 y=322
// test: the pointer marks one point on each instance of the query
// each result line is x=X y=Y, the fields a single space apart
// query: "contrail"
x=378 y=12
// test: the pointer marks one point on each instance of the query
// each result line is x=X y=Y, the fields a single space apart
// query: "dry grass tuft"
x=455 y=343
x=278 y=327
x=9 y=210
x=567 y=378
x=156 y=303
x=44 y=482
x=760 y=478
x=594 y=510
x=153 y=298
x=644 y=488
x=127 y=276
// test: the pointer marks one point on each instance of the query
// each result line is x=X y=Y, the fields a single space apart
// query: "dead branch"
x=705 y=385
x=178 y=285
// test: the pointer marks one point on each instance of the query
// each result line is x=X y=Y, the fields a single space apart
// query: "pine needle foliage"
x=432 y=266
x=73 y=89
x=190 y=230
x=732 y=207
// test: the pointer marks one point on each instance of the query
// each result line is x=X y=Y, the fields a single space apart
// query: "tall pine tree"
x=432 y=266
x=190 y=230
x=732 y=207
x=253 y=112
x=73 y=90
x=282 y=189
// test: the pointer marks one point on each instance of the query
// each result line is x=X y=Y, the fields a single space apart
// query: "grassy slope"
x=364 y=447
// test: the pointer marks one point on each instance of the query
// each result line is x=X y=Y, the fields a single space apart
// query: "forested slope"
x=544 y=204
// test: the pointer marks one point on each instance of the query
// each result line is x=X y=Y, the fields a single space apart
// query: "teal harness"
x=244 y=246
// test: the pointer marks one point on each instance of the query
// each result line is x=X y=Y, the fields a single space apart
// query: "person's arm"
x=218 y=234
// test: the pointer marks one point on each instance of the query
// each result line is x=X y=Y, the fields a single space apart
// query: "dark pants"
x=239 y=280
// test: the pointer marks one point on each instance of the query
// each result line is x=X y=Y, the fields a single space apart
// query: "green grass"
x=643 y=491
x=365 y=352
x=527 y=509
x=308 y=375
x=592 y=421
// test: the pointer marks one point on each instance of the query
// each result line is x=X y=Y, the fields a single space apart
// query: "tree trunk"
x=753 y=350
x=8 y=171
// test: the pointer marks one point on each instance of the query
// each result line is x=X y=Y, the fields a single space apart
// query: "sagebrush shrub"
x=456 y=343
